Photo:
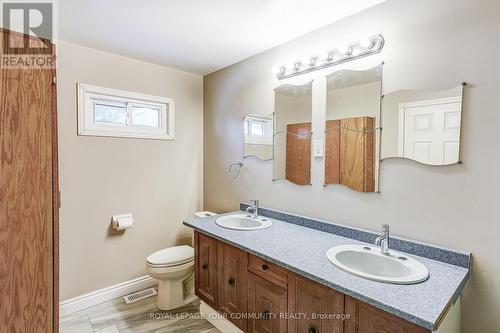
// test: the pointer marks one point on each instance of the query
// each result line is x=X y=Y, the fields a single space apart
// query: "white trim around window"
x=126 y=122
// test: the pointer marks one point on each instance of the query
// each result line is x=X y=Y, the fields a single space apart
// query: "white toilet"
x=172 y=267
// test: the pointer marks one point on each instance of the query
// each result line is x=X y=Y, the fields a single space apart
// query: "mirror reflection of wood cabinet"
x=298 y=153
x=350 y=153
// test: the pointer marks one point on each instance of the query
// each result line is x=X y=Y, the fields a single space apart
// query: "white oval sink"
x=367 y=262
x=243 y=222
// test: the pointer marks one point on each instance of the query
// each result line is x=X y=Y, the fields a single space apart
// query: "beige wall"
x=430 y=45
x=159 y=182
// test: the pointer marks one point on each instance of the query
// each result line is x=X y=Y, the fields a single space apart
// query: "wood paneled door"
x=28 y=197
x=206 y=268
x=298 y=153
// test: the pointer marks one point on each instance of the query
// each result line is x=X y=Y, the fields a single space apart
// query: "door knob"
x=205 y=266
x=265 y=267
x=231 y=281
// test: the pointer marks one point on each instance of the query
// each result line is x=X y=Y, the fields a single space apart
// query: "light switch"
x=319 y=147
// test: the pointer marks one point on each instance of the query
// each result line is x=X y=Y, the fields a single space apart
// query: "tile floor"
x=143 y=316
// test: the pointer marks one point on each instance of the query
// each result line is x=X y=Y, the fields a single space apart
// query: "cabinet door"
x=318 y=308
x=357 y=154
x=206 y=269
x=267 y=303
x=365 y=318
x=232 y=296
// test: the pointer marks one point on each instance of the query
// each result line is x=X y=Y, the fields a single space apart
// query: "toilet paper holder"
x=122 y=221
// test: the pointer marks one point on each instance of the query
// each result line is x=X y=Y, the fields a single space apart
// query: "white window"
x=118 y=113
x=258 y=130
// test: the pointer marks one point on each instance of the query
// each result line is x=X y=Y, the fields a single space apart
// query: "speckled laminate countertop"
x=303 y=250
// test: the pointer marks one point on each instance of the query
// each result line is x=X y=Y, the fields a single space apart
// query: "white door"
x=430 y=130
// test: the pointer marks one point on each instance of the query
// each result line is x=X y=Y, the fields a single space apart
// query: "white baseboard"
x=221 y=323
x=103 y=295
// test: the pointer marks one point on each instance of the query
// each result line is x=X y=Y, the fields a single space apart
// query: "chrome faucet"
x=383 y=240
x=254 y=207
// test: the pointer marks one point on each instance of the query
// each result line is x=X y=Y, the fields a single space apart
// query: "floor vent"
x=137 y=296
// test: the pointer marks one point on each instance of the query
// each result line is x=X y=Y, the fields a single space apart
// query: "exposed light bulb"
x=276 y=69
x=366 y=43
x=290 y=66
x=323 y=56
x=344 y=49
x=306 y=61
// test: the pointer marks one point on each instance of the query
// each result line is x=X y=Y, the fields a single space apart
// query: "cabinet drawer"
x=268 y=270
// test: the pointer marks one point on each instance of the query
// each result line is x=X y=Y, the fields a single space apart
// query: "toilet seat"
x=172 y=256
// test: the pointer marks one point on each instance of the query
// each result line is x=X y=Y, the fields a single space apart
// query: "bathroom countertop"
x=303 y=250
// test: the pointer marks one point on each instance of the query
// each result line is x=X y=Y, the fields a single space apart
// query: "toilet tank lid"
x=172 y=256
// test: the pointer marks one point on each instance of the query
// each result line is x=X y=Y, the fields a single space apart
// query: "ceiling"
x=198 y=36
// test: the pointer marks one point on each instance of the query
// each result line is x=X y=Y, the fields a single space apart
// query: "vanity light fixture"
x=339 y=55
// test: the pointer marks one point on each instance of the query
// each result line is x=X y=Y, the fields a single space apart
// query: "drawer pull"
x=265 y=267
x=205 y=266
x=231 y=282
x=265 y=315
x=313 y=329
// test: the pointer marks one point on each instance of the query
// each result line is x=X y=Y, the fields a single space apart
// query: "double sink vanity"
x=269 y=271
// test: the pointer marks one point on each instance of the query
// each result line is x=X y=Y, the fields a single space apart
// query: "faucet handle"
x=385 y=227
x=254 y=202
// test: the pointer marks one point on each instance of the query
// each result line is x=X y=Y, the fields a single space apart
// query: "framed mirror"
x=423 y=126
x=258 y=131
x=352 y=128
x=292 y=133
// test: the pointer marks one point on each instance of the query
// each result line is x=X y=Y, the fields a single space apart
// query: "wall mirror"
x=422 y=126
x=292 y=133
x=258 y=131
x=352 y=128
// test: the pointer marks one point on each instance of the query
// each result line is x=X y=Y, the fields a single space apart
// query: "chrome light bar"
x=339 y=55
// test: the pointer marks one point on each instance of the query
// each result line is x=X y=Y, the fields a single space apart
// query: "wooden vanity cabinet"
x=322 y=306
x=205 y=268
x=365 y=318
x=233 y=284
x=276 y=300
x=267 y=304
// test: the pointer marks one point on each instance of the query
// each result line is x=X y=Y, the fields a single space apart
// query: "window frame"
x=89 y=95
x=266 y=138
